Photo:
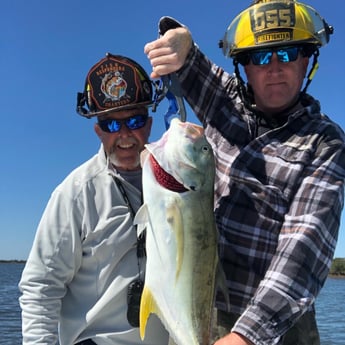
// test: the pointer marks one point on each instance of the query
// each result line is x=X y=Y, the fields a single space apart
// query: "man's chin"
x=126 y=164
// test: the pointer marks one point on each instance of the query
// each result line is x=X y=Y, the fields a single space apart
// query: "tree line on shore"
x=338 y=267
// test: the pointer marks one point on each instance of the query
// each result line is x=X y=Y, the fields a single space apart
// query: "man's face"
x=276 y=85
x=124 y=146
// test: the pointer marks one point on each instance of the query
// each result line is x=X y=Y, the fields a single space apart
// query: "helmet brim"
x=105 y=112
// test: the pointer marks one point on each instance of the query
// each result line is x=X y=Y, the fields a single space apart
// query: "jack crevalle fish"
x=181 y=237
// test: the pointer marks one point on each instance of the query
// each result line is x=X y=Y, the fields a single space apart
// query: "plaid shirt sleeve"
x=305 y=248
x=309 y=167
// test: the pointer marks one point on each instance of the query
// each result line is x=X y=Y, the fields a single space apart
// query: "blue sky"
x=47 y=47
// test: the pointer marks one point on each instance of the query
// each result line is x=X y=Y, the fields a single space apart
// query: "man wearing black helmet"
x=85 y=271
x=280 y=166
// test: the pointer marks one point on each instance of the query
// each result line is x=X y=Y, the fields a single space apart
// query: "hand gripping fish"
x=182 y=271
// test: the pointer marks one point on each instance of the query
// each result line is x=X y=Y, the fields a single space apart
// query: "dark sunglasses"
x=133 y=122
x=264 y=56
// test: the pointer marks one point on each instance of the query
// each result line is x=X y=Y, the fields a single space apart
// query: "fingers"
x=156 y=44
x=163 y=61
x=162 y=57
x=168 y=53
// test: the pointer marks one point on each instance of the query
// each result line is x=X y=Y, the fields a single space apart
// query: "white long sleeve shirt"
x=74 y=285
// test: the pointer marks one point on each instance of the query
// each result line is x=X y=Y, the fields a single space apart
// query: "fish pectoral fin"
x=141 y=219
x=147 y=306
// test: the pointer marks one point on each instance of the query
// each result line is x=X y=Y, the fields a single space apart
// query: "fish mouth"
x=164 y=179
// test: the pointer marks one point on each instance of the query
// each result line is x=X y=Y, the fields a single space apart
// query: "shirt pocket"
x=288 y=168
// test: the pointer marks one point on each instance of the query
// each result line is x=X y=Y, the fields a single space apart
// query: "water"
x=10 y=319
x=330 y=308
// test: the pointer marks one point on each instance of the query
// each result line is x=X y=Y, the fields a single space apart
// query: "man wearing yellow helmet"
x=280 y=162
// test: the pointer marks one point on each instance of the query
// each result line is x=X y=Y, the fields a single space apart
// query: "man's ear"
x=246 y=69
x=305 y=64
x=98 y=130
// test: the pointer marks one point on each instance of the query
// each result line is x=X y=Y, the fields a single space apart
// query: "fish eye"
x=205 y=148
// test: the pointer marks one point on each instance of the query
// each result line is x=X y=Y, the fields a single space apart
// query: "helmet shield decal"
x=272 y=22
x=116 y=82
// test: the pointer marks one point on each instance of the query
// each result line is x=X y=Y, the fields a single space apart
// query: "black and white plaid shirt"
x=279 y=193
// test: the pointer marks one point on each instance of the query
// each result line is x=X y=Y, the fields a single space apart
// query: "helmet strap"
x=240 y=82
x=312 y=71
x=81 y=103
x=242 y=89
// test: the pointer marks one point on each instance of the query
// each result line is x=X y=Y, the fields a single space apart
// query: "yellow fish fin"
x=174 y=218
x=147 y=306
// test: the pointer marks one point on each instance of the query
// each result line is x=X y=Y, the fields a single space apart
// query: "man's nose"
x=275 y=62
x=124 y=130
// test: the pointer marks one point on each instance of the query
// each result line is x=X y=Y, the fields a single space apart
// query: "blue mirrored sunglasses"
x=284 y=54
x=133 y=122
